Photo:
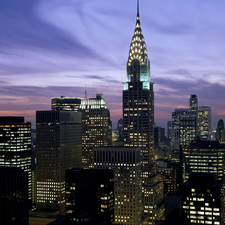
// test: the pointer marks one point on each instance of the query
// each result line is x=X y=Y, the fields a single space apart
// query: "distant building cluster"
x=74 y=169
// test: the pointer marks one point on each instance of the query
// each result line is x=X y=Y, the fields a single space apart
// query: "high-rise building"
x=58 y=149
x=126 y=163
x=92 y=192
x=169 y=129
x=205 y=157
x=15 y=145
x=220 y=131
x=187 y=129
x=204 y=122
x=138 y=99
x=193 y=105
x=14 y=205
x=96 y=127
x=202 y=200
x=138 y=122
x=179 y=113
x=193 y=109
x=96 y=123
x=63 y=103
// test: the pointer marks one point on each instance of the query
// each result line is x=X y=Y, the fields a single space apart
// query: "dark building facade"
x=220 y=131
x=58 y=149
x=15 y=145
x=90 y=192
x=14 y=204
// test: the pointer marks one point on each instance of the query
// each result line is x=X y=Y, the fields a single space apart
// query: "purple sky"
x=50 y=48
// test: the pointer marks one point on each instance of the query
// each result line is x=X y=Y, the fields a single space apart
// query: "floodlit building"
x=58 y=149
x=15 y=146
x=96 y=127
x=126 y=163
x=96 y=123
x=138 y=122
x=202 y=200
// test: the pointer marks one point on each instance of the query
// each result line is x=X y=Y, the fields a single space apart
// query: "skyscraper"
x=202 y=200
x=138 y=98
x=15 y=145
x=58 y=149
x=203 y=156
x=179 y=113
x=126 y=163
x=204 y=122
x=138 y=122
x=220 y=131
x=96 y=123
x=193 y=105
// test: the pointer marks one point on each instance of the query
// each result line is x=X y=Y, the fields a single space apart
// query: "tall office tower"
x=204 y=122
x=14 y=205
x=205 y=157
x=220 y=131
x=202 y=200
x=169 y=129
x=138 y=121
x=58 y=149
x=138 y=99
x=15 y=145
x=126 y=163
x=96 y=123
x=187 y=129
x=193 y=109
x=96 y=127
x=193 y=106
x=63 y=103
x=90 y=192
x=176 y=126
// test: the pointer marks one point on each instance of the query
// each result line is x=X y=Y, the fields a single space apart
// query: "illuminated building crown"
x=138 y=65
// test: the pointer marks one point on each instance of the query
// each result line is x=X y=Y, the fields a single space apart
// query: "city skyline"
x=55 y=48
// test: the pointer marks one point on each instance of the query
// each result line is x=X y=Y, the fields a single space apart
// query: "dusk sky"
x=53 y=48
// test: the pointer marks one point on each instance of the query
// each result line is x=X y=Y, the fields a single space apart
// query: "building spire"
x=137 y=8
